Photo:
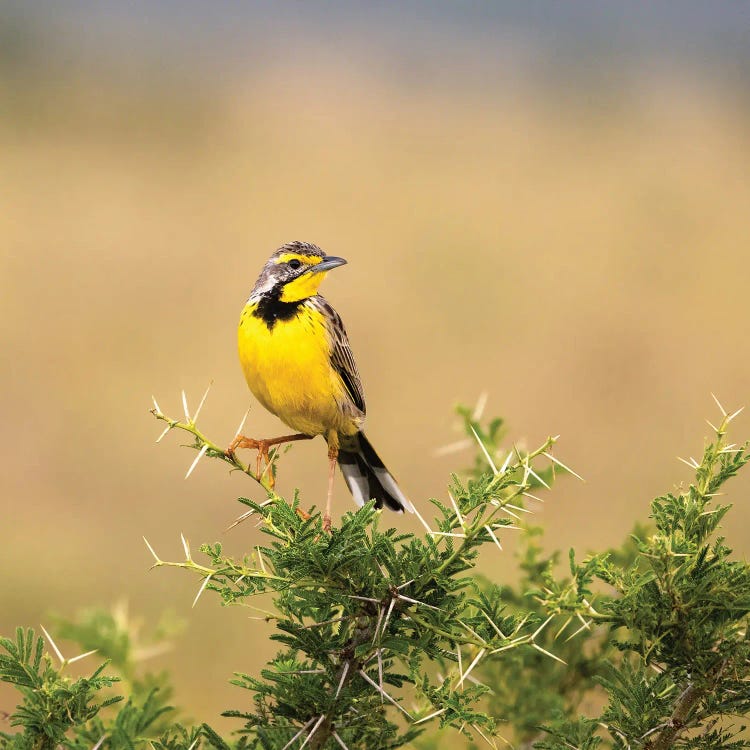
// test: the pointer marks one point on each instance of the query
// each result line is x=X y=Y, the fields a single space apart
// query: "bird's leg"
x=333 y=454
x=303 y=514
x=262 y=447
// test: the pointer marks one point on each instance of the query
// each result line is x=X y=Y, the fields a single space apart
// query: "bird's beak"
x=329 y=262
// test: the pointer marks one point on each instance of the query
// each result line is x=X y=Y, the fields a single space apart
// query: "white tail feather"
x=356 y=481
x=389 y=484
x=367 y=477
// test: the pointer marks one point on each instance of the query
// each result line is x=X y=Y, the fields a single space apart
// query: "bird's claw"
x=262 y=447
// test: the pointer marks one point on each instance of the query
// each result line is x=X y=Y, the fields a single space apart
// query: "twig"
x=206 y=446
x=678 y=721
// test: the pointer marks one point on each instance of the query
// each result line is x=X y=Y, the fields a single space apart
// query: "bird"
x=298 y=364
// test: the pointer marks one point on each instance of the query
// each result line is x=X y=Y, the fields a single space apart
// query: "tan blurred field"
x=581 y=257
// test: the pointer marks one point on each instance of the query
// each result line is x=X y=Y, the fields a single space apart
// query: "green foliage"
x=57 y=710
x=367 y=616
x=677 y=646
x=386 y=637
x=51 y=703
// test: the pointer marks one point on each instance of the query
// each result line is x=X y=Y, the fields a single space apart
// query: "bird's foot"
x=303 y=514
x=327 y=523
x=262 y=447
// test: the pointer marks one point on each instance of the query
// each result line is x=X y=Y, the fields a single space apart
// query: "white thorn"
x=431 y=716
x=718 y=403
x=471 y=666
x=54 y=645
x=242 y=423
x=712 y=426
x=489 y=620
x=166 y=430
x=479 y=408
x=298 y=734
x=537 y=477
x=312 y=731
x=387 y=617
x=485 y=451
x=200 y=405
x=381 y=612
x=692 y=464
x=308 y=671
x=547 y=653
x=343 y=677
x=185 y=406
x=201 y=453
x=416 y=601
x=471 y=630
x=504 y=467
x=387 y=697
x=237 y=521
x=732 y=416
x=447 y=533
x=458 y=512
x=142 y=654
x=260 y=560
x=424 y=523
x=380 y=671
x=338 y=739
x=100 y=742
x=560 y=631
x=533 y=497
x=525 y=480
x=82 y=656
x=522 y=623
x=494 y=538
x=513 y=644
x=156 y=405
x=560 y=463
x=202 y=589
x=585 y=626
x=455 y=447
x=151 y=550
x=483 y=736
x=541 y=627
x=186 y=547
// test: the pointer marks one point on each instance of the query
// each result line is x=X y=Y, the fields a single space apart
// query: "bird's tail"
x=367 y=477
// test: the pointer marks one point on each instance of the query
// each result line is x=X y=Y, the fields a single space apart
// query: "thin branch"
x=208 y=447
x=677 y=723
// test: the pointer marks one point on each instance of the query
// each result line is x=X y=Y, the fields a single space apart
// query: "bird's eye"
x=294 y=264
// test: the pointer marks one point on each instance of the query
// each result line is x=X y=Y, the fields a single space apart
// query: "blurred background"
x=547 y=202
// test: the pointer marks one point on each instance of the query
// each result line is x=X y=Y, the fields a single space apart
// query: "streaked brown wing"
x=342 y=357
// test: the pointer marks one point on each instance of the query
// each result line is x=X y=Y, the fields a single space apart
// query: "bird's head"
x=295 y=271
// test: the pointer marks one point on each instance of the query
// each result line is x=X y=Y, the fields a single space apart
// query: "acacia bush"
x=391 y=639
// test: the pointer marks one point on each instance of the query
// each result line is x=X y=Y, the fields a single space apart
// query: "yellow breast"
x=288 y=369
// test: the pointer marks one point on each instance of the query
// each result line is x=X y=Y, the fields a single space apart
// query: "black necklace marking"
x=270 y=308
